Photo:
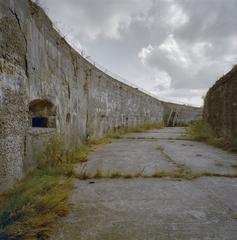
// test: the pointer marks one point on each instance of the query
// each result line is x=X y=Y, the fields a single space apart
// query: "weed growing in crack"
x=98 y=174
x=178 y=174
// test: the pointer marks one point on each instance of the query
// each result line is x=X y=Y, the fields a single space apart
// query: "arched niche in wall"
x=42 y=114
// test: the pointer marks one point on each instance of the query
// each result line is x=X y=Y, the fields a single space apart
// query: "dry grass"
x=98 y=174
x=178 y=174
x=78 y=155
x=114 y=175
x=31 y=208
x=56 y=153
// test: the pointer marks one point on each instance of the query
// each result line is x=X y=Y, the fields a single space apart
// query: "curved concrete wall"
x=220 y=109
x=37 y=64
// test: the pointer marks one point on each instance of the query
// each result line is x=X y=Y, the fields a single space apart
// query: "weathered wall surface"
x=220 y=108
x=113 y=104
x=42 y=76
x=36 y=64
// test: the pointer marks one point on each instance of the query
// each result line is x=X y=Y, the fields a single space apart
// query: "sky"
x=175 y=49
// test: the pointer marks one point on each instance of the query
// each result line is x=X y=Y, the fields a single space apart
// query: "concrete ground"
x=154 y=208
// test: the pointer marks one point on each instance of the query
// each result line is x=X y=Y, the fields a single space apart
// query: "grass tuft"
x=115 y=175
x=98 y=174
x=78 y=155
x=83 y=176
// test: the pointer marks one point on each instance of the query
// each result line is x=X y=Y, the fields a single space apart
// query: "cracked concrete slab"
x=148 y=156
x=200 y=157
x=154 y=208
x=158 y=209
x=129 y=157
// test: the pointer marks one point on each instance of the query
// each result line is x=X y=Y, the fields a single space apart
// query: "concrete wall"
x=41 y=75
x=180 y=115
x=220 y=108
x=113 y=104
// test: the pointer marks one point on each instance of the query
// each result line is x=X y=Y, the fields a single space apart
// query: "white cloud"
x=94 y=19
x=172 y=47
x=172 y=51
x=187 y=65
x=145 y=52
x=176 y=17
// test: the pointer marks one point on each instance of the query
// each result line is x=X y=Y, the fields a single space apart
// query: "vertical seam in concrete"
x=86 y=91
x=25 y=39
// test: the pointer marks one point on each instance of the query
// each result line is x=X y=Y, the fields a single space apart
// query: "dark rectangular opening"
x=39 y=122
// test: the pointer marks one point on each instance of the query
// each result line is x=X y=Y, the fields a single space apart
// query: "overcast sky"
x=176 y=49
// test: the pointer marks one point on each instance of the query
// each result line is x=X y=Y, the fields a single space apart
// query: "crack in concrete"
x=25 y=39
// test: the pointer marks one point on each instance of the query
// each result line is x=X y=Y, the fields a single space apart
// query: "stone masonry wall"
x=220 y=108
x=41 y=75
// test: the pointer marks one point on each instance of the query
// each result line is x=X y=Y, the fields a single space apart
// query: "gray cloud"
x=174 y=48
